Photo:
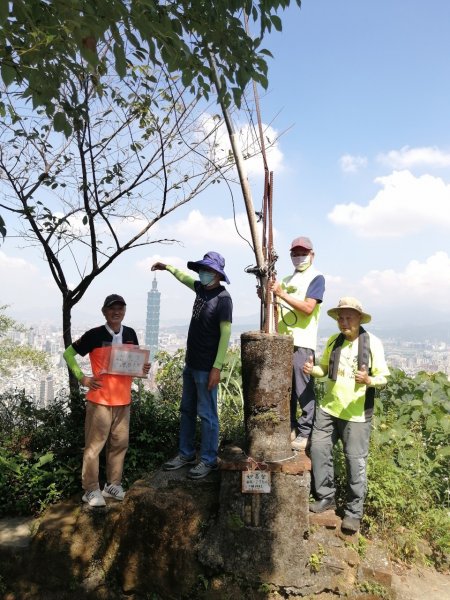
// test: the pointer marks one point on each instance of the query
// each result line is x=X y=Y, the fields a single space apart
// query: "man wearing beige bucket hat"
x=354 y=364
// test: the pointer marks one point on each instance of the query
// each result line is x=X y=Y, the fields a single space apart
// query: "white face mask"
x=301 y=262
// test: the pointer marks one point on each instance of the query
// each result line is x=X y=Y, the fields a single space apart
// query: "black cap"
x=113 y=299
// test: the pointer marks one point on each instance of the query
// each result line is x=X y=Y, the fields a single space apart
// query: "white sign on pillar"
x=256 y=482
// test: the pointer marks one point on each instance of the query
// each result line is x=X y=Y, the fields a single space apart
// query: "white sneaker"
x=113 y=491
x=94 y=498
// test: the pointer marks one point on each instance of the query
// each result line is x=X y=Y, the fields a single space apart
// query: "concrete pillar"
x=267 y=380
x=261 y=535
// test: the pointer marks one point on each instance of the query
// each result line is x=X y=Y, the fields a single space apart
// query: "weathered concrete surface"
x=170 y=540
x=266 y=383
x=148 y=542
x=159 y=533
x=261 y=535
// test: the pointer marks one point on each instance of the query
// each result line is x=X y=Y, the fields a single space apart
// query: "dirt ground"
x=420 y=583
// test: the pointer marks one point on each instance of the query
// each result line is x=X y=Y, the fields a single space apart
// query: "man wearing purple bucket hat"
x=207 y=343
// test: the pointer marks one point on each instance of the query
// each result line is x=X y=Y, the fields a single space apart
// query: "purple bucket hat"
x=213 y=260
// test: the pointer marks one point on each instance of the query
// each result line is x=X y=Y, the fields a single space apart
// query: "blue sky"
x=360 y=96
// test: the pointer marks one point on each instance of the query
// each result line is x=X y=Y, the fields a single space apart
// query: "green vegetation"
x=409 y=465
x=375 y=589
x=12 y=353
x=407 y=504
x=235 y=522
x=41 y=449
x=180 y=34
x=315 y=560
x=408 y=496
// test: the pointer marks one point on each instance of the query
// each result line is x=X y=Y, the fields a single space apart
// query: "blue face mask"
x=206 y=278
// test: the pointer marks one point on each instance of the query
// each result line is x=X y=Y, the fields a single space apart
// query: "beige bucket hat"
x=349 y=302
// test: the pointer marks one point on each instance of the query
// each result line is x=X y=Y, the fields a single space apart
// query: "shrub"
x=40 y=453
x=408 y=466
x=231 y=399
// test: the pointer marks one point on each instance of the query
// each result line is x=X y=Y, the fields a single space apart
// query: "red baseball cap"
x=302 y=242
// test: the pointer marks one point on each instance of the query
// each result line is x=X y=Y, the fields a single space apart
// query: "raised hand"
x=158 y=266
x=308 y=366
x=362 y=376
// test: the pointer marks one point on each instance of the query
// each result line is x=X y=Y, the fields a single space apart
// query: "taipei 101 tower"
x=152 y=323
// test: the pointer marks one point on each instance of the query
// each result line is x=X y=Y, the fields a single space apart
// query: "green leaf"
x=121 y=61
x=60 y=121
x=443 y=452
x=9 y=464
x=276 y=22
x=43 y=460
x=4 y=10
x=9 y=74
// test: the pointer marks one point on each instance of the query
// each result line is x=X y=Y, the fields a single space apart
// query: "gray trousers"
x=355 y=440
x=302 y=393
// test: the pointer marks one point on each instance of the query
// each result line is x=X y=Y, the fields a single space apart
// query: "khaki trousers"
x=104 y=425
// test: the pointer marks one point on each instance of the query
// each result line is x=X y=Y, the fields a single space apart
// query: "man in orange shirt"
x=108 y=402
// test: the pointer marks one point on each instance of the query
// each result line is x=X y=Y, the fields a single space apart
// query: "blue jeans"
x=196 y=399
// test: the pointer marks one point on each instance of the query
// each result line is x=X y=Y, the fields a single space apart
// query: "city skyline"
x=411 y=356
x=362 y=166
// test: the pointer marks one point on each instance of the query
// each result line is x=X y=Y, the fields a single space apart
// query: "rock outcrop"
x=170 y=539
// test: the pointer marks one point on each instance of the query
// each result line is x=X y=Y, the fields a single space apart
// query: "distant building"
x=152 y=323
x=46 y=394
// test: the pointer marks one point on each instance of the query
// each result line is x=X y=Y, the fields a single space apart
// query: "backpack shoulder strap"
x=364 y=354
x=334 y=357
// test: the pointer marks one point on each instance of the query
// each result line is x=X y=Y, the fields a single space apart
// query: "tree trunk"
x=74 y=386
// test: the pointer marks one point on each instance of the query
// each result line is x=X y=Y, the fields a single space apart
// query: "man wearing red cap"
x=299 y=298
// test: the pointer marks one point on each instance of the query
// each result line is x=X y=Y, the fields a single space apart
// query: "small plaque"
x=126 y=359
x=256 y=482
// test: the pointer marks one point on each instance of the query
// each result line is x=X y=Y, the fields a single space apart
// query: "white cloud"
x=25 y=283
x=406 y=204
x=407 y=158
x=352 y=164
x=199 y=229
x=420 y=288
x=146 y=263
x=249 y=143
x=15 y=266
x=419 y=283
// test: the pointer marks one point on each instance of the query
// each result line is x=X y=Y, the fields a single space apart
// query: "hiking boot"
x=350 y=524
x=299 y=443
x=201 y=470
x=113 y=491
x=94 y=498
x=322 y=505
x=178 y=462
